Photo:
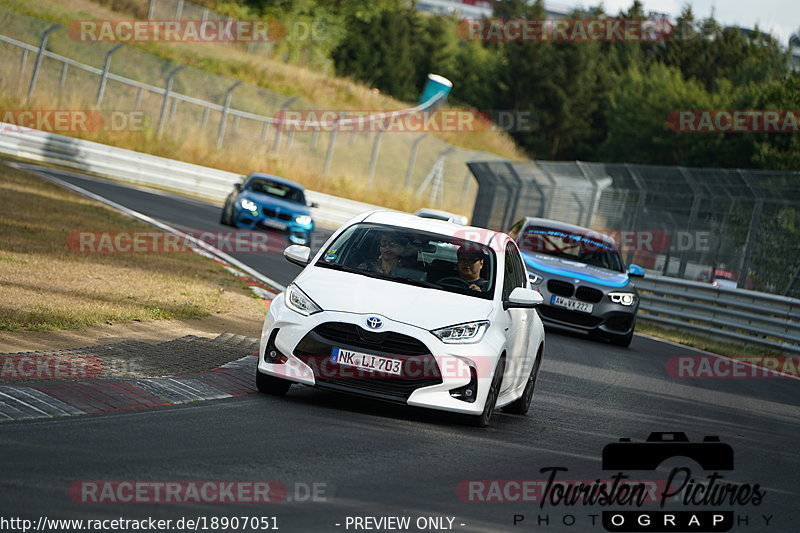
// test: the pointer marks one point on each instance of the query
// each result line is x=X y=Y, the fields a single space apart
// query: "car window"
x=514 y=271
x=572 y=246
x=520 y=272
x=276 y=189
x=413 y=257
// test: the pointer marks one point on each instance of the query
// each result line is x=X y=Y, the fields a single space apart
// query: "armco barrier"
x=730 y=315
x=144 y=169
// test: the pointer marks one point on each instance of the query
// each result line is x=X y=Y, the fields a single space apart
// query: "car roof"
x=276 y=179
x=396 y=218
x=572 y=228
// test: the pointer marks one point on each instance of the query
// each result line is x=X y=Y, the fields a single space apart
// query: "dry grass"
x=242 y=159
x=324 y=90
x=738 y=351
x=47 y=287
x=244 y=153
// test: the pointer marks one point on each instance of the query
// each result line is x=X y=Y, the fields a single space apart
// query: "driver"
x=470 y=263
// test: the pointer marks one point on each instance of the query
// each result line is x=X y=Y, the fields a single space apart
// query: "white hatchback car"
x=401 y=308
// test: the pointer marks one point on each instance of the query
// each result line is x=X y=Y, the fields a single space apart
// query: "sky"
x=779 y=17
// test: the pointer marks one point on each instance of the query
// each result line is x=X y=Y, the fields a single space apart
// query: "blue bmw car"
x=270 y=203
x=582 y=278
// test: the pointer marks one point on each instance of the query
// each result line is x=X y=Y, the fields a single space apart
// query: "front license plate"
x=365 y=361
x=569 y=303
x=273 y=224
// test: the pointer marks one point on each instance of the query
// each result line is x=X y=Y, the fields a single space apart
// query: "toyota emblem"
x=374 y=322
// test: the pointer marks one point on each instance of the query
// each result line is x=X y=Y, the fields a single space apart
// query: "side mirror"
x=523 y=298
x=297 y=254
x=635 y=271
x=313 y=204
x=238 y=187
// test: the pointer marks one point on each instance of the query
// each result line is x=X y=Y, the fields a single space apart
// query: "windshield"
x=572 y=246
x=414 y=257
x=279 y=190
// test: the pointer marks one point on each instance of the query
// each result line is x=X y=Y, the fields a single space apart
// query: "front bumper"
x=606 y=316
x=427 y=378
x=297 y=233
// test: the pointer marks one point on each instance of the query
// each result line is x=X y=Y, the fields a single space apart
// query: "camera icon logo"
x=710 y=454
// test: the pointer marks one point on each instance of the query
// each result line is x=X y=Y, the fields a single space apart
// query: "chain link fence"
x=738 y=226
x=42 y=65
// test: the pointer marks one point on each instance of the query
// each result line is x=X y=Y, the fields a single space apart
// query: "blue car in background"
x=270 y=203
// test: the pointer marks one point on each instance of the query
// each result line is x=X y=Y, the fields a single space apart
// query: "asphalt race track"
x=370 y=459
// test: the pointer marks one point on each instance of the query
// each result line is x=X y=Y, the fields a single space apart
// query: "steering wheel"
x=454 y=281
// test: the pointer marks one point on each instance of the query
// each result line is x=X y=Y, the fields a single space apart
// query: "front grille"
x=260 y=225
x=561 y=288
x=419 y=368
x=389 y=342
x=271 y=213
x=570 y=317
x=588 y=294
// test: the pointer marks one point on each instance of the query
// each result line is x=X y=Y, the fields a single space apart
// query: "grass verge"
x=47 y=287
x=736 y=351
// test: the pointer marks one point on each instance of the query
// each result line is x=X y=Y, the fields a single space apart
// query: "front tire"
x=482 y=420
x=271 y=385
x=521 y=406
x=225 y=218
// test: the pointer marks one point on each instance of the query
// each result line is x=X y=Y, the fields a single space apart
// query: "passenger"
x=391 y=254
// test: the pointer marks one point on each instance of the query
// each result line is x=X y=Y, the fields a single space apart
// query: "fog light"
x=271 y=353
x=469 y=392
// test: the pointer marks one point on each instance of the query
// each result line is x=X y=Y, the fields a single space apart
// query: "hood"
x=274 y=201
x=549 y=264
x=416 y=306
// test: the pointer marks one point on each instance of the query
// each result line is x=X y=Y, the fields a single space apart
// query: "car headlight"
x=462 y=333
x=299 y=302
x=304 y=220
x=623 y=298
x=535 y=278
x=248 y=205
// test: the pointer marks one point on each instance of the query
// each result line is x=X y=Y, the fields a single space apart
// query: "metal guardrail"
x=154 y=171
x=729 y=315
